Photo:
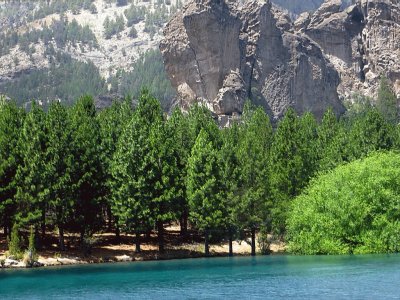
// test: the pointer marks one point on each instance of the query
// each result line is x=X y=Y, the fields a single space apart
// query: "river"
x=264 y=277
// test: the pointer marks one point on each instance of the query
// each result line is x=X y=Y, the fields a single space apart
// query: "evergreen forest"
x=72 y=169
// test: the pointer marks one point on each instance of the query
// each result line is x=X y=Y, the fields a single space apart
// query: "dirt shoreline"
x=107 y=250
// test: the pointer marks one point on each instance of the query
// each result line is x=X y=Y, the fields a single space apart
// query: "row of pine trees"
x=137 y=170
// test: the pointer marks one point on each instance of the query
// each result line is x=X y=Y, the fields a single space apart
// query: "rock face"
x=363 y=42
x=220 y=53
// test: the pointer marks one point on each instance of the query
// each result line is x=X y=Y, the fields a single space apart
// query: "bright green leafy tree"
x=353 y=209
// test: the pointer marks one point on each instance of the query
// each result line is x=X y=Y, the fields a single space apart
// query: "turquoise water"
x=273 y=277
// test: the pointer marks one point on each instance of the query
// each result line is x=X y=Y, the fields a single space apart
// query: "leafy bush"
x=353 y=209
x=263 y=242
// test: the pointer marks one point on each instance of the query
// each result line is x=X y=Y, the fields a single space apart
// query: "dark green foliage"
x=32 y=190
x=61 y=31
x=353 y=209
x=132 y=32
x=143 y=169
x=206 y=204
x=11 y=120
x=112 y=27
x=14 y=244
x=331 y=145
x=293 y=161
x=231 y=174
x=31 y=253
x=61 y=6
x=387 y=102
x=59 y=167
x=74 y=169
x=181 y=145
x=66 y=80
x=112 y=122
x=148 y=71
x=369 y=133
x=135 y=14
x=87 y=172
x=252 y=207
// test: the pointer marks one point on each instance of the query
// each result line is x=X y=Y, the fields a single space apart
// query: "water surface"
x=271 y=277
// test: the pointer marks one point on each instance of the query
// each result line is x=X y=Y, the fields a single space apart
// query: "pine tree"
x=285 y=167
x=11 y=120
x=14 y=244
x=59 y=166
x=141 y=170
x=387 y=102
x=252 y=207
x=178 y=124
x=112 y=121
x=331 y=142
x=369 y=133
x=86 y=170
x=207 y=209
x=32 y=189
x=31 y=254
x=230 y=173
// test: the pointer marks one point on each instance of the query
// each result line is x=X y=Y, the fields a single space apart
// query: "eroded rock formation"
x=363 y=43
x=220 y=53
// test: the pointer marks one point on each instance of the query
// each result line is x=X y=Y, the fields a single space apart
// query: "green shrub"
x=263 y=242
x=14 y=244
x=353 y=209
x=31 y=253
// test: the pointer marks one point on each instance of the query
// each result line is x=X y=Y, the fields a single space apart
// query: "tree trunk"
x=117 y=232
x=109 y=214
x=37 y=238
x=148 y=234
x=206 y=246
x=160 y=229
x=184 y=223
x=253 y=242
x=43 y=223
x=82 y=237
x=137 y=242
x=230 y=243
x=5 y=231
x=61 y=237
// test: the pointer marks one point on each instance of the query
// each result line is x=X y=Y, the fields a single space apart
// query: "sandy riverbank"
x=107 y=249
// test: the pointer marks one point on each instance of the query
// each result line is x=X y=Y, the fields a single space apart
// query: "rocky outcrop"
x=220 y=54
x=363 y=43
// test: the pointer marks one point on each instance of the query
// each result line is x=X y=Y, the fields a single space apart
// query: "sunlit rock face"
x=363 y=42
x=221 y=53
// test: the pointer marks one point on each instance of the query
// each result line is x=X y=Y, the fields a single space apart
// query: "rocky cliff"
x=220 y=53
x=363 y=42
